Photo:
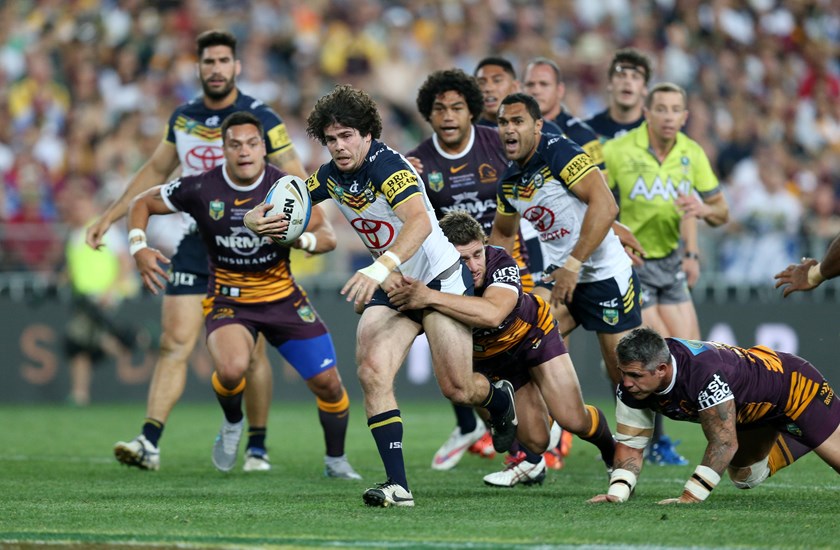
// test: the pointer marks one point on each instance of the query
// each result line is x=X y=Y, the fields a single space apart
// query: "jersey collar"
x=673 y=377
x=240 y=188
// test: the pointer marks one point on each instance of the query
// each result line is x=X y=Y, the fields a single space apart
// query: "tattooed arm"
x=718 y=424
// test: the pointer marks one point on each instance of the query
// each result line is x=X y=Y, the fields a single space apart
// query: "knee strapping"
x=751 y=476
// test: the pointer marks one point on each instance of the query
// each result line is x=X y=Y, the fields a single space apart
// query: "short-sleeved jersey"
x=541 y=192
x=502 y=271
x=580 y=132
x=467 y=181
x=767 y=386
x=196 y=131
x=646 y=190
x=367 y=198
x=244 y=267
x=607 y=128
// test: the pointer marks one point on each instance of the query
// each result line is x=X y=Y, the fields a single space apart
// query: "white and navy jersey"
x=195 y=131
x=541 y=192
x=367 y=198
x=607 y=128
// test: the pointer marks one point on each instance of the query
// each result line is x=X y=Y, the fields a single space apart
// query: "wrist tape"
x=622 y=483
x=701 y=482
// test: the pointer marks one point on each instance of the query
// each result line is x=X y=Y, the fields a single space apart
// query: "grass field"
x=59 y=485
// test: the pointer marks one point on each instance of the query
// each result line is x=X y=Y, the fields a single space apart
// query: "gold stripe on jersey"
x=595 y=151
x=271 y=285
x=802 y=392
x=770 y=358
x=629 y=297
x=278 y=138
x=576 y=168
x=751 y=412
x=499 y=342
x=191 y=127
x=358 y=203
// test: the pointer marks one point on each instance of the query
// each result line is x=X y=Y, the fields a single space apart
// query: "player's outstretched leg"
x=226 y=446
x=503 y=419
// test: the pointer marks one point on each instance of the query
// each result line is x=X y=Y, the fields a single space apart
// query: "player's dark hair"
x=632 y=57
x=451 y=80
x=506 y=65
x=529 y=102
x=461 y=228
x=558 y=76
x=643 y=345
x=238 y=119
x=665 y=87
x=348 y=107
x=215 y=37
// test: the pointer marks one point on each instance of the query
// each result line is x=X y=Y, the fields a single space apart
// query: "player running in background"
x=556 y=186
x=461 y=164
x=193 y=141
x=760 y=410
x=810 y=274
x=251 y=289
x=514 y=338
x=627 y=78
x=655 y=172
x=384 y=200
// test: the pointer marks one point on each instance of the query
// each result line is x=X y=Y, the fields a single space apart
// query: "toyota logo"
x=540 y=217
x=378 y=234
x=204 y=157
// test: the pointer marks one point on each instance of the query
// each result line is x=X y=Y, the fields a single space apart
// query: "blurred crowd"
x=86 y=87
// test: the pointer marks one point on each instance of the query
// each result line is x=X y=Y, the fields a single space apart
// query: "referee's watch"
x=692 y=256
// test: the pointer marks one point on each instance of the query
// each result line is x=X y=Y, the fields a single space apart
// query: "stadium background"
x=86 y=87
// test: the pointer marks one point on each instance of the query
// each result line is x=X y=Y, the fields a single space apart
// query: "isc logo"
x=395 y=445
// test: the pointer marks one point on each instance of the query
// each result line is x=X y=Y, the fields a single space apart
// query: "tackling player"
x=193 y=141
x=514 y=338
x=760 y=410
x=251 y=290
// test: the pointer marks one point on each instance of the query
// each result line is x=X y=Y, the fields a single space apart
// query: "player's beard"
x=220 y=94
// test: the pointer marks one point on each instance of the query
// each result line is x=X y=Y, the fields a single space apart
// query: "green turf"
x=60 y=484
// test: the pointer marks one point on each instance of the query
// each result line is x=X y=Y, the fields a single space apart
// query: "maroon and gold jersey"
x=768 y=387
x=245 y=268
x=529 y=320
x=467 y=182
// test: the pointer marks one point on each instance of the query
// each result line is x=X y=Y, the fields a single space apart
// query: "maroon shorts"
x=514 y=365
x=292 y=318
x=812 y=412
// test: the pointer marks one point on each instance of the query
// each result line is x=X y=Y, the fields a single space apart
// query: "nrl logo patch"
x=610 y=316
x=306 y=314
x=217 y=210
x=436 y=181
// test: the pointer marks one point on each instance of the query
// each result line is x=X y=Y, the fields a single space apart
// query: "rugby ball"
x=290 y=196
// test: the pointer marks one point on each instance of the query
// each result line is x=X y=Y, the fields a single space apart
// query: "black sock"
x=387 y=431
x=256 y=438
x=465 y=417
x=152 y=430
x=600 y=435
x=334 y=418
x=658 y=430
x=229 y=399
x=530 y=456
x=496 y=402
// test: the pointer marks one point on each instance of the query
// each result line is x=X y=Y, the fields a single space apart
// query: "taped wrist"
x=376 y=271
x=308 y=241
x=572 y=264
x=136 y=240
x=622 y=483
x=702 y=482
x=815 y=277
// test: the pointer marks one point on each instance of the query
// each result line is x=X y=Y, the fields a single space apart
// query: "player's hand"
x=691 y=268
x=148 y=262
x=690 y=205
x=411 y=294
x=631 y=244
x=685 y=498
x=359 y=289
x=565 y=282
x=603 y=498
x=416 y=163
x=795 y=276
x=268 y=226
x=95 y=233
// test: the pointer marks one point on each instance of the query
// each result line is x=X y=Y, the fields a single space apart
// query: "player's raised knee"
x=749 y=476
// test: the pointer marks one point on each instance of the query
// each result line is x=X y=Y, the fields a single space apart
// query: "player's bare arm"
x=600 y=215
x=416 y=227
x=713 y=210
x=691 y=257
x=718 y=423
x=487 y=311
x=289 y=161
x=148 y=260
x=504 y=231
x=319 y=236
x=627 y=459
x=156 y=170
x=631 y=244
x=809 y=273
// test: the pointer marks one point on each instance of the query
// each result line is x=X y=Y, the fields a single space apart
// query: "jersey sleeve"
x=169 y=131
x=277 y=138
x=610 y=160
x=505 y=272
x=567 y=161
x=580 y=132
x=705 y=180
x=177 y=196
x=317 y=185
x=399 y=181
x=503 y=206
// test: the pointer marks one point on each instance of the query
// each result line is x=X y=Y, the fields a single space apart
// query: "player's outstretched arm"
x=809 y=273
x=627 y=466
x=155 y=171
x=486 y=311
x=147 y=259
x=319 y=236
x=718 y=423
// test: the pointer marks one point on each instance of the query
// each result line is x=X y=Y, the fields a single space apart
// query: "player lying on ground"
x=760 y=410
